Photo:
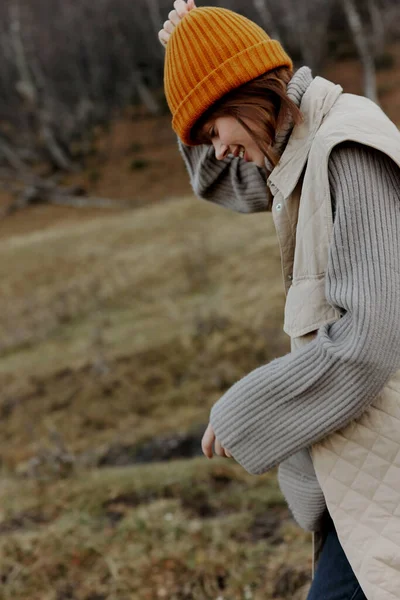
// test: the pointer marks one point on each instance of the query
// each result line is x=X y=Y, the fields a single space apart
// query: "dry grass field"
x=118 y=332
x=118 y=336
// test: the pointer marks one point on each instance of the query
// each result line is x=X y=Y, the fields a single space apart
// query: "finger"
x=191 y=5
x=227 y=453
x=174 y=17
x=218 y=448
x=169 y=27
x=207 y=441
x=163 y=36
x=181 y=8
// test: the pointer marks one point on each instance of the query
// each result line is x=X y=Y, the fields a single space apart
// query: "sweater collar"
x=316 y=102
x=296 y=89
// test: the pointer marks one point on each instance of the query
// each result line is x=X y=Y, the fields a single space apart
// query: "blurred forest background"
x=128 y=307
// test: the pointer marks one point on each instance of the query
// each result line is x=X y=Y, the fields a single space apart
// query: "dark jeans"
x=334 y=578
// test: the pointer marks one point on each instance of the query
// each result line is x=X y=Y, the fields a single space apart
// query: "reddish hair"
x=261 y=106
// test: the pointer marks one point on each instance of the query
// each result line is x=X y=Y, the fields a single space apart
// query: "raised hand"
x=181 y=9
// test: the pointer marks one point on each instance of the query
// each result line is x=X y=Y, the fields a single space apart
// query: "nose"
x=221 y=150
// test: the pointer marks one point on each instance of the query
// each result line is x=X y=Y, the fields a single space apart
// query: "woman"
x=256 y=137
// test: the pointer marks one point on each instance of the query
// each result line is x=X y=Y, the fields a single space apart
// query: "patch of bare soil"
x=137 y=160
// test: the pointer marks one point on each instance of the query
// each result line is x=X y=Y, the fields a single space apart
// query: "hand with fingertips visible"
x=181 y=9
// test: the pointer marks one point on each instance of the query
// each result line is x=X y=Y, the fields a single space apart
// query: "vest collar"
x=317 y=101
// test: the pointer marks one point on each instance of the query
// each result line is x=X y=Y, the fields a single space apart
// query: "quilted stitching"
x=358 y=468
x=359 y=471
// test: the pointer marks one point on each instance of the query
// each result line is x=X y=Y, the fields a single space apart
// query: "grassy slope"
x=117 y=328
x=162 y=310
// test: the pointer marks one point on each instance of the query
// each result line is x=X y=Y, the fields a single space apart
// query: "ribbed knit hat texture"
x=211 y=52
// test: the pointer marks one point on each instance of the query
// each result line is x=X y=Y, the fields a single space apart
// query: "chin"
x=257 y=159
x=260 y=162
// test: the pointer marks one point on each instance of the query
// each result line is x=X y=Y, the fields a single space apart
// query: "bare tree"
x=366 y=56
x=29 y=90
x=300 y=18
x=68 y=65
x=155 y=15
x=377 y=26
x=262 y=8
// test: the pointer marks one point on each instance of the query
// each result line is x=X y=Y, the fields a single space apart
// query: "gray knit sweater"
x=294 y=401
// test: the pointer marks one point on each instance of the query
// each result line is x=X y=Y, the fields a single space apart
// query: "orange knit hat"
x=211 y=52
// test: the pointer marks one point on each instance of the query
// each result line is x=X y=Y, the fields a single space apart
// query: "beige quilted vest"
x=358 y=468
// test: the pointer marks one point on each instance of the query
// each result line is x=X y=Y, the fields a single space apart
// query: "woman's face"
x=228 y=136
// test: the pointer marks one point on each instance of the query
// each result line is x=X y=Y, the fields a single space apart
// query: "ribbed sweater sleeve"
x=298 y=399
x=232 y=182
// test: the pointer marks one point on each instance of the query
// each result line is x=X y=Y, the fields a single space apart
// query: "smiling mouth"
x=244 y=155
x=240 y=152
